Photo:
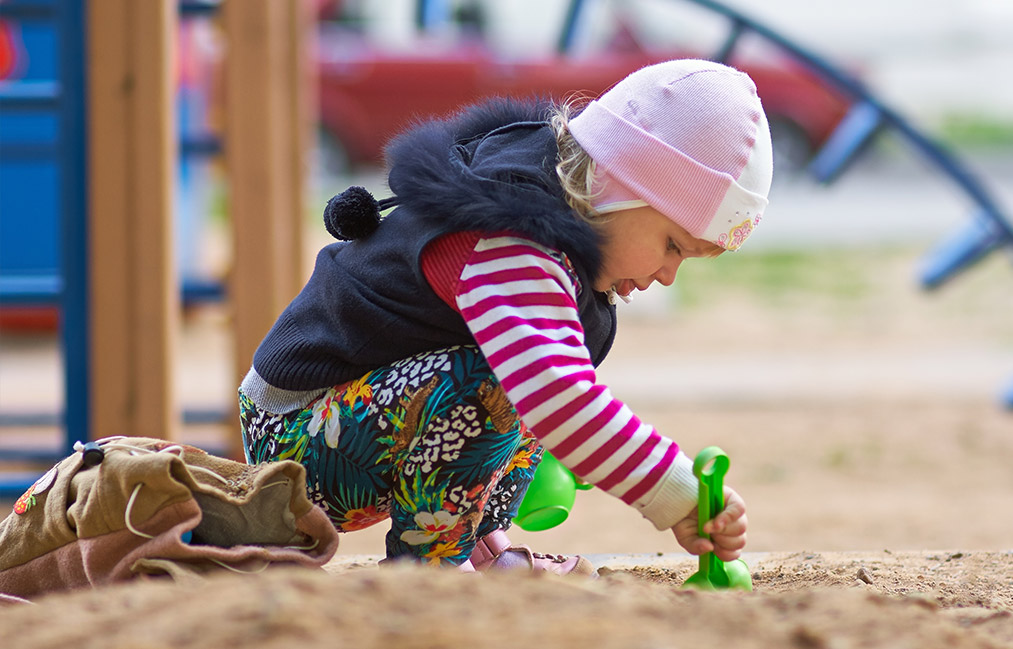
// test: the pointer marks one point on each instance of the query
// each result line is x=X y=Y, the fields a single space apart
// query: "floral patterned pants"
x=431 y=442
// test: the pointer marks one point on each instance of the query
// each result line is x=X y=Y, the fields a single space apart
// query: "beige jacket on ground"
x=153 y=507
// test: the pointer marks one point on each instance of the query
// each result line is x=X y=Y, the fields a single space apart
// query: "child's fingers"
x=727 y=530
x=729 y=543
x=734 y=539
x=686 y=534
x=730 y=518
x=726 y=554
x=699 y=545
x=724 y=524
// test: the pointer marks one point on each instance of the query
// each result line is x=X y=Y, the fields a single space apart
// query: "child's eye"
x=672 y=246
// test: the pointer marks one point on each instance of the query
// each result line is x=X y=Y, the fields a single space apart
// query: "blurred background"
x=875 y=302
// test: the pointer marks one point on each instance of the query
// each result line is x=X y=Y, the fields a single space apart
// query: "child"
x=429 y=360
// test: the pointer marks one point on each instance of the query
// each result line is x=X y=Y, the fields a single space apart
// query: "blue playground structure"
x=43 y=193
x=43 y=199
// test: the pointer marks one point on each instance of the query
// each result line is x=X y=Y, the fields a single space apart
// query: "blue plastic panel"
x=37 y=49
x=20 y=127
x=30 y=177
x=29 y=208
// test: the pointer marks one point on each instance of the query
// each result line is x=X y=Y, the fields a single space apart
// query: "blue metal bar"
x=198 y=8
x=192 y=416
x=849 y=84
x=28 y=9
x=32 y=455
x=31 y=95
x=421 y=14
x=74 y=326
x=955 y=170
x=852 y=135
x=971 y=244
x=48 y=419
x=200 y=145
x=568 y=33
x=28 y=151
x=30 y=290
x=28 y=420
x=196 y=291
x=724 y=53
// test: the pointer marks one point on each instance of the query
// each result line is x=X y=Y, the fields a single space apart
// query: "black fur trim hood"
x=491 y=168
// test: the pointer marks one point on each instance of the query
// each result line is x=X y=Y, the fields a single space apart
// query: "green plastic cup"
x=549 y=498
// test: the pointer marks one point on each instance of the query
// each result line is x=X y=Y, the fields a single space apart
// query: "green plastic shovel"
x=710 y=467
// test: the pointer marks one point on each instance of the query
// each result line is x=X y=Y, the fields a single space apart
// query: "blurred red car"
x=370 y=88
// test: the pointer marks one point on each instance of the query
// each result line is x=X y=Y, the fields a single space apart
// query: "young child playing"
x=433 y=355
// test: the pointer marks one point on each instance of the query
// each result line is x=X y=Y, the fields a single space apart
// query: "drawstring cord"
x=112 y=443
x=126 y=514
x=613 y=294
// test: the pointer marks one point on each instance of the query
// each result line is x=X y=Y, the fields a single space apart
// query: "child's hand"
x=727 y=530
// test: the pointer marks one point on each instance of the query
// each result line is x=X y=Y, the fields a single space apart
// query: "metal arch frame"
x=988 y=230
x=867 y=117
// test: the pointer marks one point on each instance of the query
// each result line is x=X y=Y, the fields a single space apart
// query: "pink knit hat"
x=687 y=137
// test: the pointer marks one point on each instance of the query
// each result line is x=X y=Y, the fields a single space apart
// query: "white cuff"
x=676 y=496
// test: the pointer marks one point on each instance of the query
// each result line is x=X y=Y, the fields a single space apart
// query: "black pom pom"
x=352 y=214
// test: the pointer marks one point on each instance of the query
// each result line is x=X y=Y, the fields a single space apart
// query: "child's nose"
x=666 y=274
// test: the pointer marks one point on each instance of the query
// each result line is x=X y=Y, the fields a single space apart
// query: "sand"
x=922 y=600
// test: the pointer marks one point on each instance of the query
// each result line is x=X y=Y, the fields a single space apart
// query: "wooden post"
x=265 y=138
x=132 y=152
x=302 y=93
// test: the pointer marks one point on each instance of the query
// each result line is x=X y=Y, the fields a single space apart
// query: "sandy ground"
x=919 y=600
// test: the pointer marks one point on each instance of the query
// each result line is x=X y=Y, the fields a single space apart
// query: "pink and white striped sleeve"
x=520 y=305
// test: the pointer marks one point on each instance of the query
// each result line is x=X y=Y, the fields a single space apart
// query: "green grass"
x=977 y=131
x=776 y=276
x=869 y=289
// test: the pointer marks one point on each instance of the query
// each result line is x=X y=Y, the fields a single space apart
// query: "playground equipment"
x=93 y=133
x=43 y=190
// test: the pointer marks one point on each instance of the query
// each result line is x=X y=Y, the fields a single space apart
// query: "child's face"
x=642 y=246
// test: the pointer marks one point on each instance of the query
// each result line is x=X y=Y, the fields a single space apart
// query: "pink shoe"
x=494 y=551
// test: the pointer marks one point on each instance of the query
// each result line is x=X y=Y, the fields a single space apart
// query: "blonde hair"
x=575 y=167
